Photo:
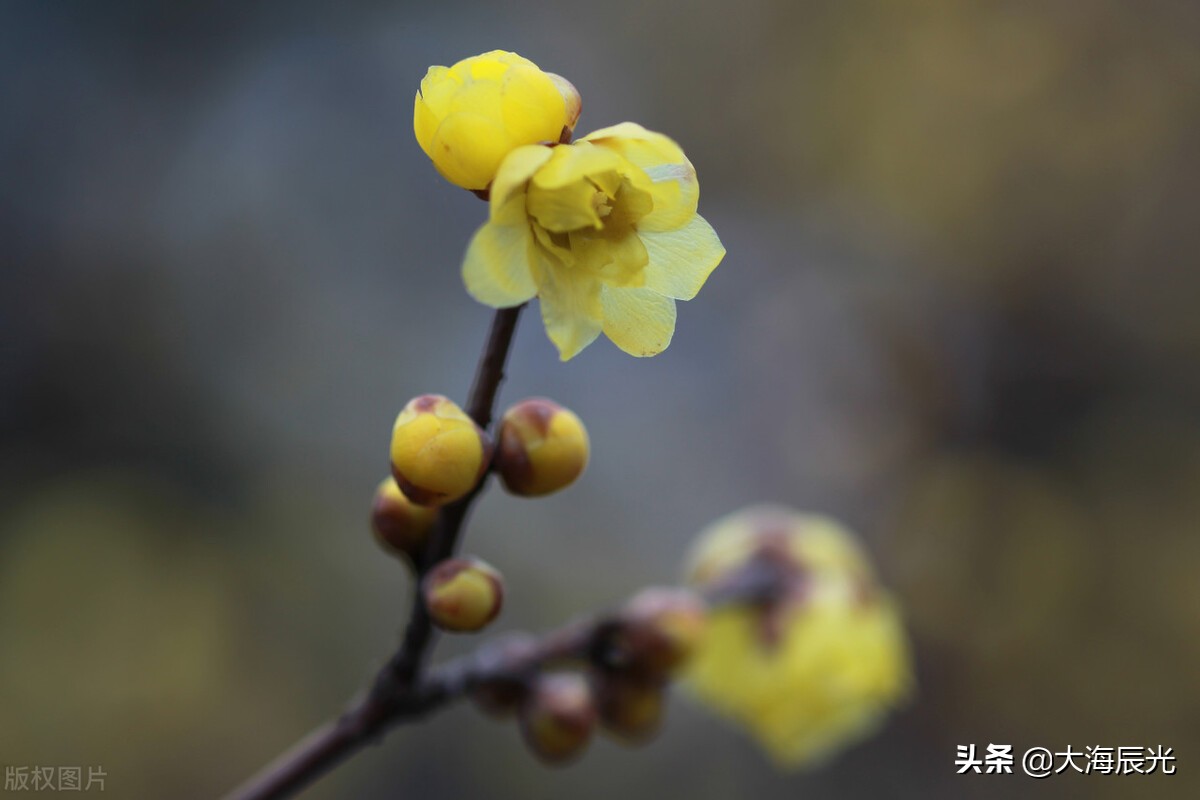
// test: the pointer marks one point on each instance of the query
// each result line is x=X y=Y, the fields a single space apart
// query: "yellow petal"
x=571 y=163
x=496 y=268
x=533 y=108
x=467 y=148
x=497 y=57
x=638 y=321
x=608 y=182
x=438 y=88
x=681 y=260
x=674 y=186
x=676 y=194
x=425 y=124
x=616 y=260
x=553 y=248
x=478 y=97
x=633 y=201
x=564 y=208
x=571 y=309
x=432 y=103
x=485 y=68
x=631 y=131
x=572 y=102
x=515 y=171
x=641 y=147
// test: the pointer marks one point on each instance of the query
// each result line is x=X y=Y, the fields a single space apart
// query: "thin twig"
x=507 y=662
x=513 y=660
x=397 y=691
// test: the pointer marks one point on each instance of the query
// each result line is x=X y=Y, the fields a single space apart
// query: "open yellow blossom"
x=817 y=666
x=468 y=117
x=604 y=232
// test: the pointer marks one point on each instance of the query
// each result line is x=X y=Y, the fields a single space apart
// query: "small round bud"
x=660 y=628
x=439 y=454
x=558 y=717
x=629 y=707
x=543 y=447
x=400 y=526
x=463 y=594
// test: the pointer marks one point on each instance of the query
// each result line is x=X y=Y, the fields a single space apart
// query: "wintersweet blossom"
x=468 y=117
x=604 y=232
x=818 y=665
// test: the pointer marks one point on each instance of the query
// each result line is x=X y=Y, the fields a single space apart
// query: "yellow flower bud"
x=439 y=454
x=400 y=526
x=659 y=630
x=814 y=662
x=629 y=707
x=463 y=594
x=558 y=717
x=543 y=447
x=468 y=117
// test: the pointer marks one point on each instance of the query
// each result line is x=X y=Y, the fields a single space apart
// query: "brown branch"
x=372 y=715
x=512 y=659
x=403 y=691
x=397 y=692
x=505 y=664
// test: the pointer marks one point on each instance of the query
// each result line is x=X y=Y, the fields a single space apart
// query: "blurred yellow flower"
x=604 y=232
x=468 y=117
x=814 y=667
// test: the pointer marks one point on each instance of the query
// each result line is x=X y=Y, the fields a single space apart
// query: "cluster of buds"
x=439 y=455
x=655 y=634
x=610 y=675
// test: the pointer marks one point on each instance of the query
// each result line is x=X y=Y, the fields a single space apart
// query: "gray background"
x=958 y=311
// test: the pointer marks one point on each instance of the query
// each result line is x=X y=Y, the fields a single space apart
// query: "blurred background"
x=959 y=311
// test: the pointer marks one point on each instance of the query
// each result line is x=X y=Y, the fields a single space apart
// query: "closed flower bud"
x=439 y=454
x=543 y=447
x=558 y=717
x=468 y=117
x=629 y=707
x=463 y=594
x=659 y=630
x=400 y=526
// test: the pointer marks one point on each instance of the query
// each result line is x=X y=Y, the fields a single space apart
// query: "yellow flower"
x=604 y=232
x=468 y=117
x=818 y=666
